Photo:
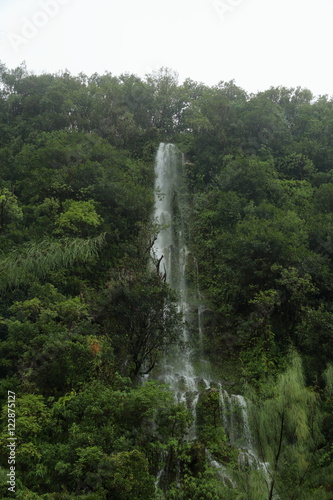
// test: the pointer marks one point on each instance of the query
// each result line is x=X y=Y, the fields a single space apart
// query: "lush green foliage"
x=83 y=315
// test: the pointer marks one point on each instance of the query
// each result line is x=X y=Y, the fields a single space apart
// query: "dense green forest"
x=83 y=314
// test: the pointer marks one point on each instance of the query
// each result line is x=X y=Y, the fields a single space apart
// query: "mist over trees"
x=84 y=314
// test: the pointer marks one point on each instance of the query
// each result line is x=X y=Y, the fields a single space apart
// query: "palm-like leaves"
x=37 y=259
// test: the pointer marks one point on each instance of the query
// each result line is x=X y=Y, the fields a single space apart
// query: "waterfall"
x=171 y=257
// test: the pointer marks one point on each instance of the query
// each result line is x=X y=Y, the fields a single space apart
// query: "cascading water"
x=170 y=254
x=171 y=258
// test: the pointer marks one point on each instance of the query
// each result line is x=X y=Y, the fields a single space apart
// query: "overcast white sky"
x=258 y=43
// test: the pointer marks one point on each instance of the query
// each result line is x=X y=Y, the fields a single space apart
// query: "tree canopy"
x=84 y=315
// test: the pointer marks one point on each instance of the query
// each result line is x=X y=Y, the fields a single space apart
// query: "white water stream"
x=178 y=371
x=171 y=253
